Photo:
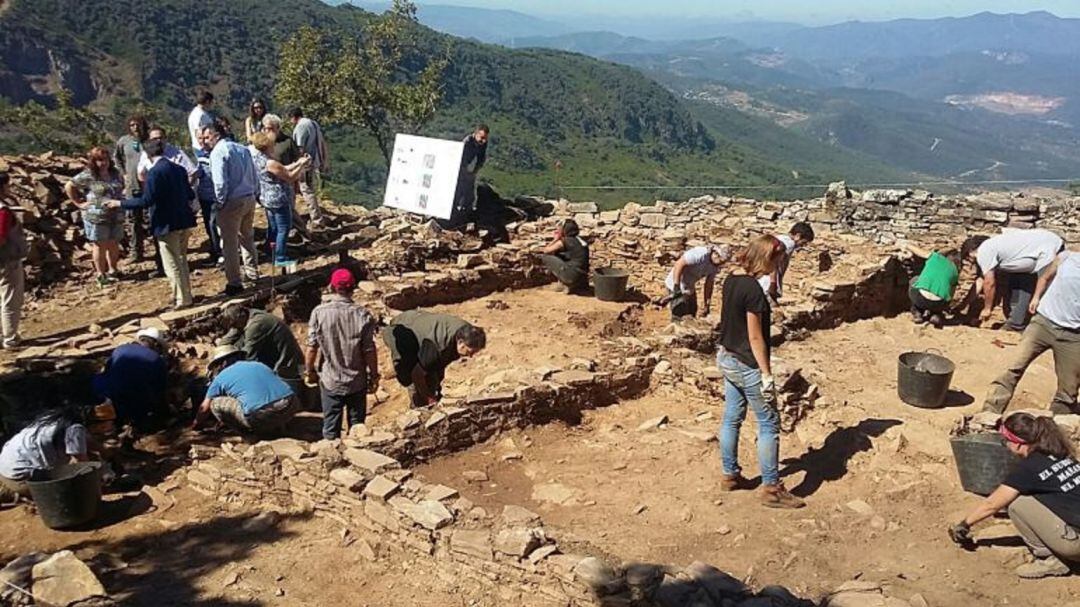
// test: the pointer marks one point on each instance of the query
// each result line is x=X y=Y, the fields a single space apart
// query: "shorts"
x=103 y=232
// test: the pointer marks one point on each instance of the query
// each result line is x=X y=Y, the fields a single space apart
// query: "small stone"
x=651 y=424
x=518 y=541
x=348 y=478
x=64 y=580
x=640 y=508
x=542 y=553
x=439 y=493
x=518 y=516
x=426 y=513
x=475 y=476
x=408 y=420
x=371 y=461
x=381 y=488
x=723 y=530
x=860 y=507
x=597 y=575
x=512 y=456
x=472 y=543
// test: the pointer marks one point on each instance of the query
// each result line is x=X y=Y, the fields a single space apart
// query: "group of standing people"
x=158 y=190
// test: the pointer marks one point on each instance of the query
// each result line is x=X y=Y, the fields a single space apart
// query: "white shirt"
x=1019 y=251
x=698 y=265
x=789 y=249
x=173 y=154
x=35 y=448
x=1060 y=304
x=197 y=119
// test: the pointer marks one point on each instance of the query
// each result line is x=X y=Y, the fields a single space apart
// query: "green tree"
x=67 y=129
x=368 y=80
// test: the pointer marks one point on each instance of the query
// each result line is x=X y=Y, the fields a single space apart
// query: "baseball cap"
x=342 y=279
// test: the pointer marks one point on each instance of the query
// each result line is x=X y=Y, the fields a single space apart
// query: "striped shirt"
x=343 y=331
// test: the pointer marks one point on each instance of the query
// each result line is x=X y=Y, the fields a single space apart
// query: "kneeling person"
x=246 y=395
x=933 y=289
x=55 y=438
x=423 y=344
x=567 y=257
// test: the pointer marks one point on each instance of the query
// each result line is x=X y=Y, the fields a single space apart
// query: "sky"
x=799 y=11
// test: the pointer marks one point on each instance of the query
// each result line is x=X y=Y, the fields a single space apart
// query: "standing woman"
x=276 y=192
x=13 y=250
x=253 y=123
x=1042 y=493
x=90 y=190
x=745 y=359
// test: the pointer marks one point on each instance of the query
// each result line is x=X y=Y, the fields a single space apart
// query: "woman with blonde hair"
x=1041 y=493
x=276 y=191
x=91 y=191
x=744 y=357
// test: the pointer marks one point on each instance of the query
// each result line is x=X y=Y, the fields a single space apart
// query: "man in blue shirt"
x=236 y=186
x=205 y=192
x=167 y=193
x=246 y=394
x=135 y=379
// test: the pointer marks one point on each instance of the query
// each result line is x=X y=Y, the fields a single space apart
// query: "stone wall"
x=387 y=511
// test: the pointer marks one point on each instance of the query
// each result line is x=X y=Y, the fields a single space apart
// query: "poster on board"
x=423 y=175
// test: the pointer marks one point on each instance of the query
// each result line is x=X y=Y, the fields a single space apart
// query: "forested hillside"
x=607 y=124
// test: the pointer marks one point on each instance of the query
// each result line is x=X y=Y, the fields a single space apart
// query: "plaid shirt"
x=344 y=332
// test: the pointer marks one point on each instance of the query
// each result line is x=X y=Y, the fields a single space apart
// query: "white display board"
x=423 y=175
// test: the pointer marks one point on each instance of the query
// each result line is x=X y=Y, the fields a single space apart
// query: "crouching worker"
x=800 y=235
x=1042 y=493
x=423 y=344
x=567 y=257
x=697 y=263
x=246 y=395
x=135 y=380
x=932 y=291
x=55 y=438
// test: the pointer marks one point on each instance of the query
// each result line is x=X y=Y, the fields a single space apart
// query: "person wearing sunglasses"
x=254 y=121
x=1041 y=493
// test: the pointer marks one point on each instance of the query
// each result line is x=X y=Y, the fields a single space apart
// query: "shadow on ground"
x=830 y=462
x=173 y=567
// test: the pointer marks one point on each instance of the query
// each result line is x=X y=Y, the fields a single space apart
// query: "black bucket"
x=982 y=460
x=923 y=379
x=610 y=284
x=68 y=496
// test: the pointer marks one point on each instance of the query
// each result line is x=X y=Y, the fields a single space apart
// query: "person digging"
x=423 y=344
x=1041 y=493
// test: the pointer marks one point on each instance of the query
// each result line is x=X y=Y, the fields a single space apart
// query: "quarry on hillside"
x=574 y=462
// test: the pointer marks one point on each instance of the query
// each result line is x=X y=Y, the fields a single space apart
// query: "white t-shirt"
x=1019 y=251
x=698 y=266
x=789 y=249
x=1060 y=304
x=173 y=154
x=36 y=448
x=197 y=119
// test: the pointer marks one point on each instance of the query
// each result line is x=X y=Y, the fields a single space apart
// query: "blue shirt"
x=134 y=380
x=233 y=172
x=166 y=193
x=252 y=383
x=206 y=182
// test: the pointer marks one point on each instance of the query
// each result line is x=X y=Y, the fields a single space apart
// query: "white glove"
x=768 y=389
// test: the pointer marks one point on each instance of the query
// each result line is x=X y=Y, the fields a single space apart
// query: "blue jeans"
x=279 y=222
x=742 y=385
x=209 y=217
x=354 y=406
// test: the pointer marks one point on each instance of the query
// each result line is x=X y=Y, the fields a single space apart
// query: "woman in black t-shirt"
x=567 y=256
x=744 y=358
x=1042 y=493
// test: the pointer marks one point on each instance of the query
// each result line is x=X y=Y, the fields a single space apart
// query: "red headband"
x=1012 y=438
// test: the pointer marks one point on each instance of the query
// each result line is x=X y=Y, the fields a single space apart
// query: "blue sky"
x=803 y=11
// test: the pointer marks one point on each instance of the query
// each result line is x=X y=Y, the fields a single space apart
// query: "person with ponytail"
x=745 y=359
x=1042 y=494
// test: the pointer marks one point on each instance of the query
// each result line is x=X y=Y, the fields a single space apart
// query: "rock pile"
x=52 y=224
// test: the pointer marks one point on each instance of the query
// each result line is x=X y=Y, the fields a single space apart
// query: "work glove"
x=960 y=533
x=768 y=389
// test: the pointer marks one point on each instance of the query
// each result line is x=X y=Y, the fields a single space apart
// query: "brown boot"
x=776 y=496
x=733 y=482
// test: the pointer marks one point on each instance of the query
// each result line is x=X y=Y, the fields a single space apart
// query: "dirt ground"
x=878 y=504
x=877 y=474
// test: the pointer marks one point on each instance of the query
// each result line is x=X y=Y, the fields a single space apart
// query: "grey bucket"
x=610 y=284
x=923 y=379
x=982 y=460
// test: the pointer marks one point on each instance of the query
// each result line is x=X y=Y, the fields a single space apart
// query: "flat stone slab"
x=381 y=488
x=429 y=514
x=371 y=461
